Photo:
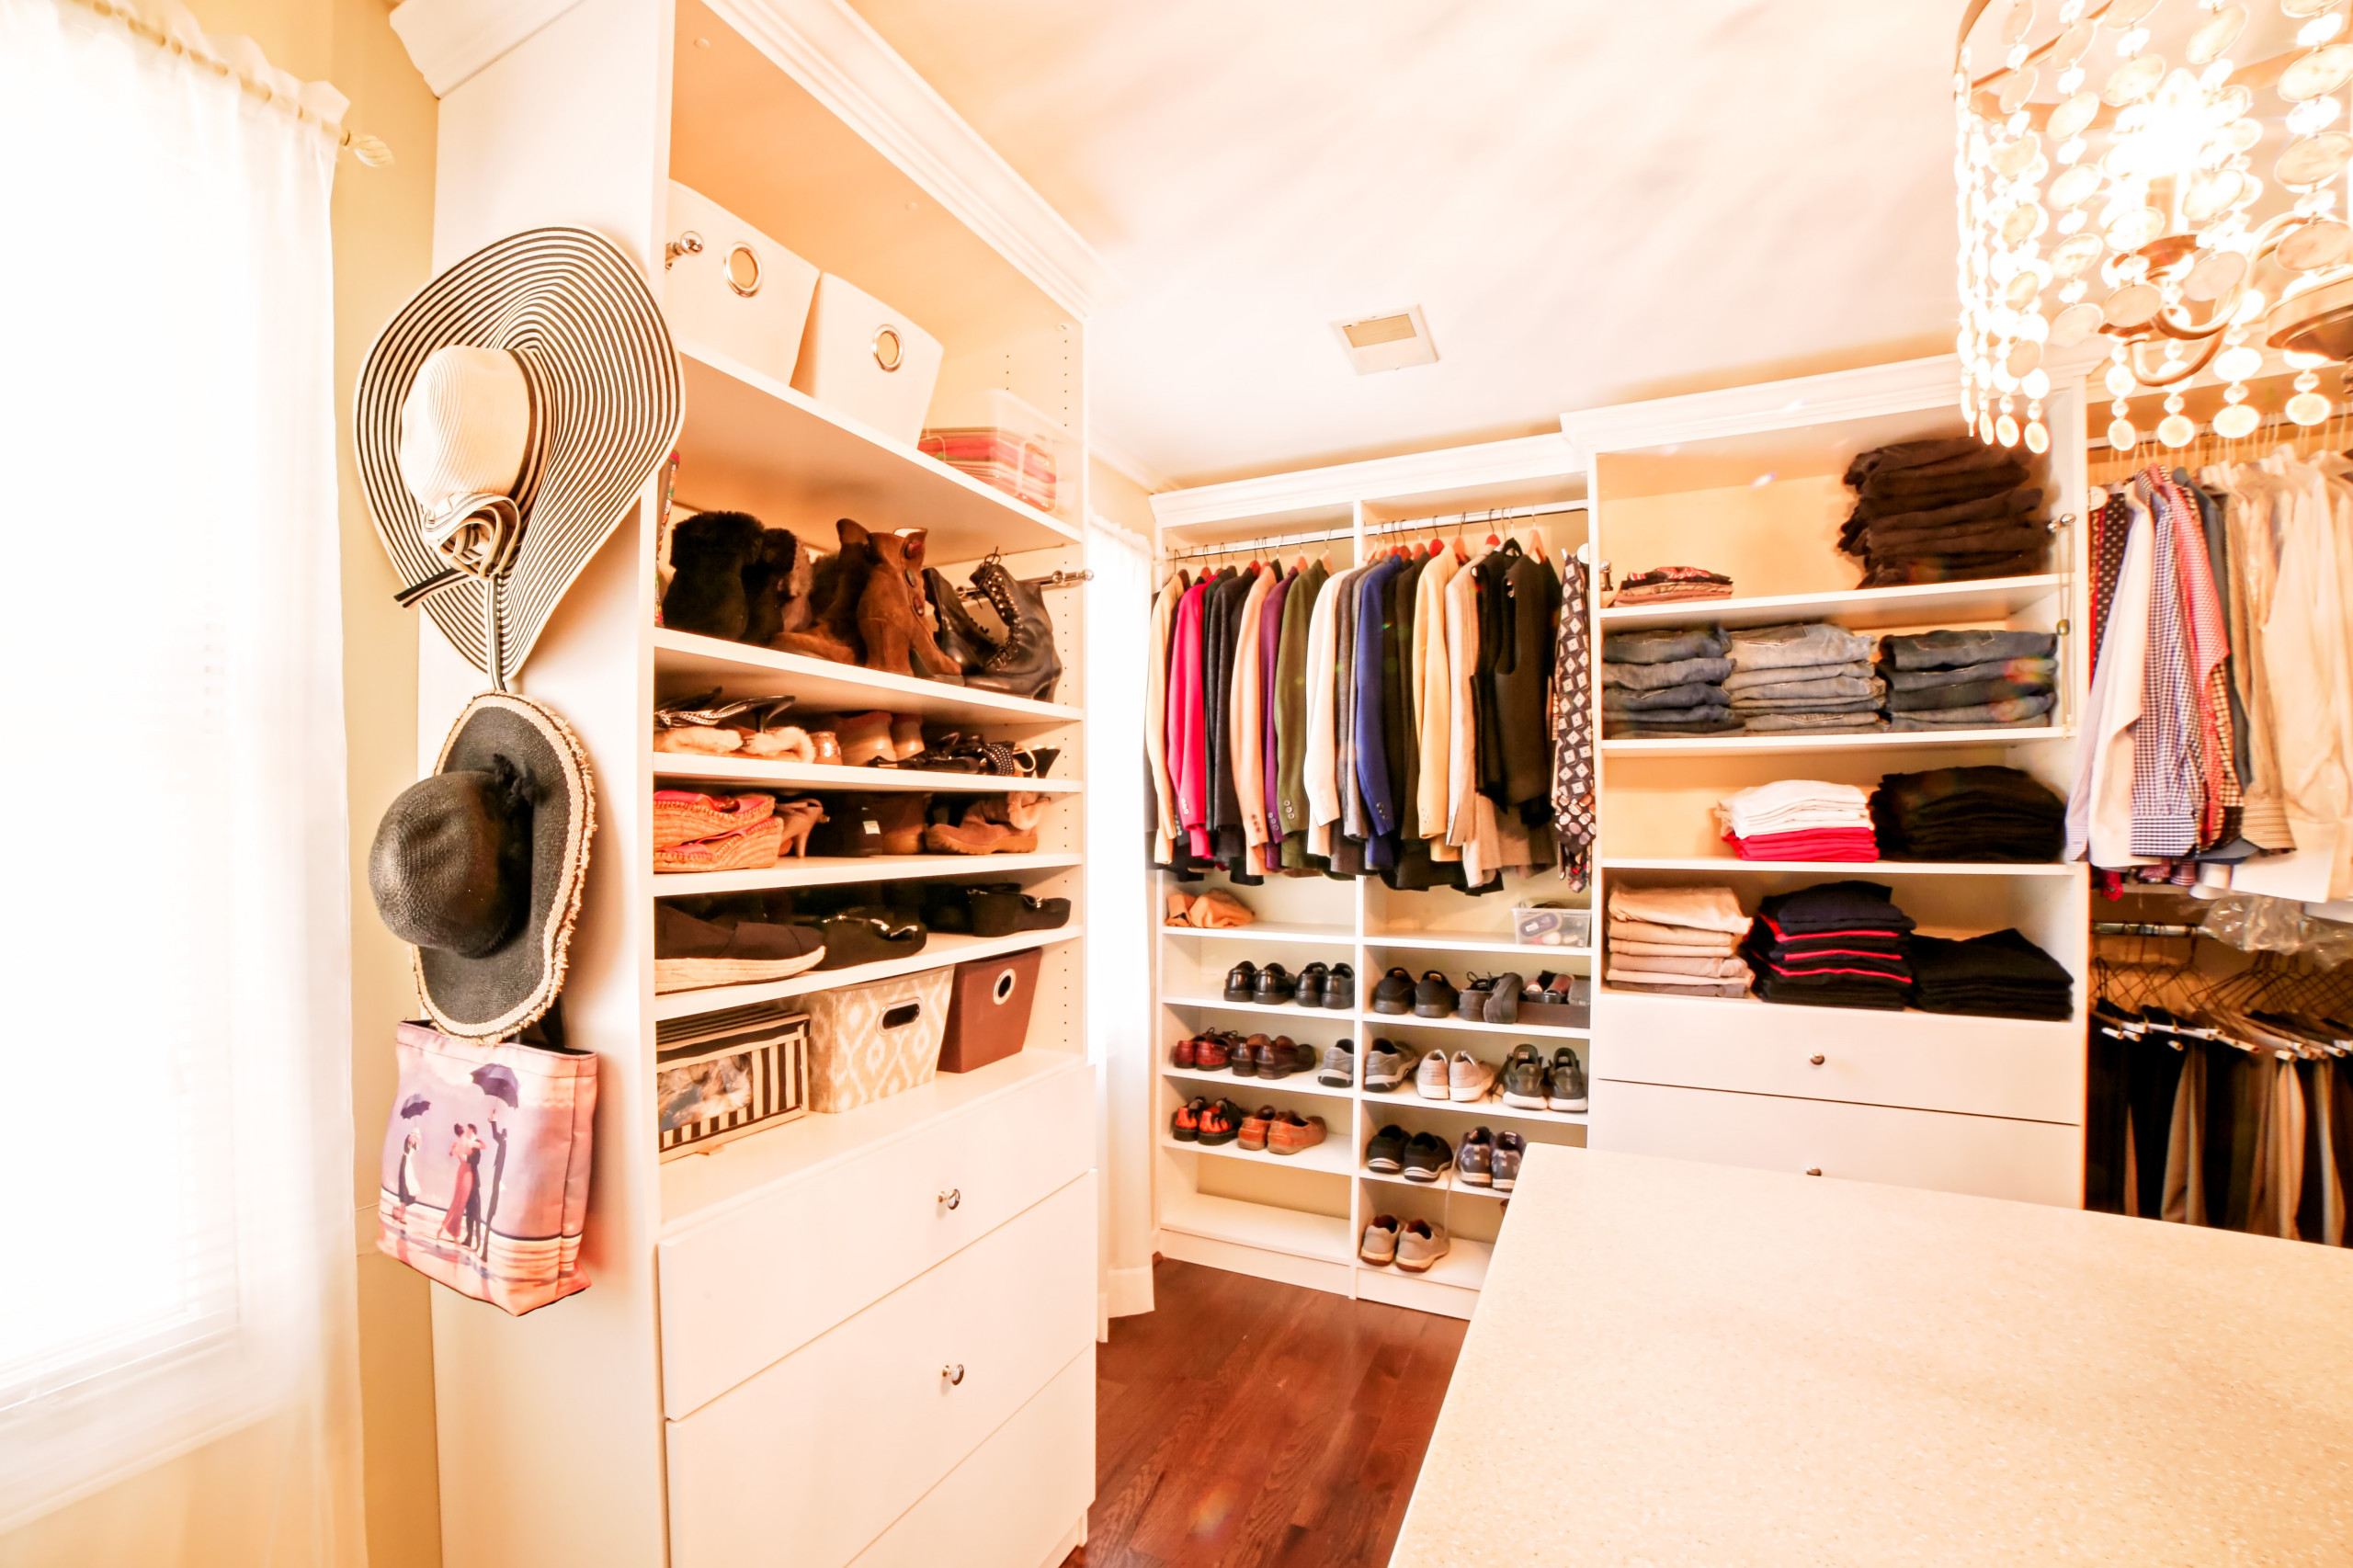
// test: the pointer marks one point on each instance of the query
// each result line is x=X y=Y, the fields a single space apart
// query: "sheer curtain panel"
x=178 y=1223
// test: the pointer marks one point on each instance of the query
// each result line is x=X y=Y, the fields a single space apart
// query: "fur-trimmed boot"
x=710 y=555
x=838 y=584
x=765 y=581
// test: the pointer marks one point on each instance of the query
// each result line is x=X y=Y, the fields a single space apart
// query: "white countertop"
x=1674 y=1363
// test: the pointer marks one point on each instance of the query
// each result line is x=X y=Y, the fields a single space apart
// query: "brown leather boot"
x=895 y=636
x=975 y=837
x=838 y=585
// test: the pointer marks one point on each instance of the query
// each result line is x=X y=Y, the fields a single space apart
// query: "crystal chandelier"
x=2162 y=175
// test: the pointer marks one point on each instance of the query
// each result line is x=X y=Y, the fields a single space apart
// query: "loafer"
x=1310 y=984
x=1277 y=1058
x=1211 y=1052
x=1339 y=1068
x=1509 y=1147
x=1304 y=1058
x=1290 y=1133
x=689 y=953
x=1254 y=1129
x=1431 y=1079
x=1526 y=1079
x=1472 y=1002
x=1567 y=1089
x=1379 y=1246
x=1245 y=1056
x=1276 y=986
x=1476 y=1160
x=1221 y=1123
x=1468 y=1079
x=1184 y=1125
x=1395 y=992
x=1385 y=1067
x=1181 y=1054
x=1434 y=995
x=1386 y=1153
x=1502 y=1000
x=1241 y=982
x=1419 y=1245
x=1427 y=1156
x=1340 y=988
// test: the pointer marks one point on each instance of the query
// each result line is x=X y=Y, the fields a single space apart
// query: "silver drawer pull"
x=953 y=1198
x=1813 y=1170
x=954 y=1374
x=1817 y=1060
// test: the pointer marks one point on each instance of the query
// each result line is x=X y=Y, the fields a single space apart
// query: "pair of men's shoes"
x=1422 y=1157
x=1398 y=993
x=1206 y=1121
x=1212 y=1123
x=1530 y=1084
x=1490 y=1159
x=1413 y=1247
x=1331 y=986
x=1461 y=1078
x=1257 y=1057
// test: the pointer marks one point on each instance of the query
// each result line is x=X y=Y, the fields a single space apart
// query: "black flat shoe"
x=868 y=939
x=1275 y=986
x=1004 y=913
x=1340 y=988
x=1241 y=982
x=1310 y=984
x=1435 y=996
x=1394 y=993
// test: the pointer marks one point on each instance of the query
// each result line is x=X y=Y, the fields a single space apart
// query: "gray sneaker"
x=1385 y=1067
x=1380 y=1244
x=1430 y=1078
x=1509 y=1147
x=1566 y=1091
x=1476 y=1160
x=1524 y=1079
x=1420 y=1245
x=1339 y=1069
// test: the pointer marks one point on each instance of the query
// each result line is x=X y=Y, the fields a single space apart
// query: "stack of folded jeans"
x=1997 y=976
x=1799 y=819
x=1945 y=511
x=1969 y=813
x=1834 y=945
x=1672 y=584
x=1668 y=682
x=1677 y=942
x=1970 y=680
x=1811 y=676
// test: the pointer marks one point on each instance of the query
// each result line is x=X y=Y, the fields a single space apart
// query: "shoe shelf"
x=1712 y=864
x=826 y=871
x=1238 y=1089
x=943 y=949
x=1445 y=942
x=1466 y=1026
x=1338 y=935
x=1379 y=1104
x=753 y=444
x=684 y=661
x=1285 y=1009
x=1330 y=1156
x=1464 y=1266
x=1445 y=1183
x=1858 y=610
x=1781 y=745
x=1322 y=1237
x=832 y=776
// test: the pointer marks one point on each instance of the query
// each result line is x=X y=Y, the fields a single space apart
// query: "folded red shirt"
x=1814 y=844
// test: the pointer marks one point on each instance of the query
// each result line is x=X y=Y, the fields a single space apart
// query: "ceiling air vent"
x=1390 y=341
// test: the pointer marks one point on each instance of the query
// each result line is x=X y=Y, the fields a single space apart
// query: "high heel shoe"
x=1027 y=665
x=799 y=815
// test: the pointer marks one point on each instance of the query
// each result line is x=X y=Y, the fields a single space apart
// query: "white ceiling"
x=1592 y=201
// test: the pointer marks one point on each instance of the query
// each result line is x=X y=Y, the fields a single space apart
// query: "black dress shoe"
x=1241 y=982
x=1310 y=984
x=1275 y=986
x=1434 y=995
x=1277 y=1058
x=1340 y=988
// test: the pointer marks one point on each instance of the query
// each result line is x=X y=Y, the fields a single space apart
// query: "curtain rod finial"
x=368 y=150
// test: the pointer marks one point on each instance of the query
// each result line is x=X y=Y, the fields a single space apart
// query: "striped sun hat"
x=553 y=434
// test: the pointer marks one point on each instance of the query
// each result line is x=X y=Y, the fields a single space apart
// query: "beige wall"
x=1115 y=498
x=204 y=1507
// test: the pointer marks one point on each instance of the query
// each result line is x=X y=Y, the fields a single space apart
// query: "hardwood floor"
x=1249 y=1424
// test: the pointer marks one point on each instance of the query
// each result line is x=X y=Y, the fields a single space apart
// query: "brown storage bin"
x=988 y=1012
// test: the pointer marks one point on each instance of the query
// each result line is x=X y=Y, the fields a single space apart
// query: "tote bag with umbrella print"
x=485 y=1170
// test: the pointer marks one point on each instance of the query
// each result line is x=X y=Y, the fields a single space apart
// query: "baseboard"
x=1130 y=1292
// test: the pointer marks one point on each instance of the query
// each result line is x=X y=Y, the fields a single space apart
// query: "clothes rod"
x=1277 y=544
x=2141 y=928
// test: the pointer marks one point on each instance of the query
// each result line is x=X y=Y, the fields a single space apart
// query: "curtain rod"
x=369 y=150
x=1280 y=542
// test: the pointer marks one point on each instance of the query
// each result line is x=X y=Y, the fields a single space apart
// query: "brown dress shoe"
x=1290 y=1133
x=1254 y=1127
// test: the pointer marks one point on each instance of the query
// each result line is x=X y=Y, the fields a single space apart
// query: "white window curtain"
x=177 y=1163
x=1118 y=928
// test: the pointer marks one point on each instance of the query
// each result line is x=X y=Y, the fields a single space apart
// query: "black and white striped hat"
x=605 y=405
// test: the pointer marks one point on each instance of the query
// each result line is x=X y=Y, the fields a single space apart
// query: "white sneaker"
x=1420 y=1245
x=1468 y=1078
x=1431 y=1079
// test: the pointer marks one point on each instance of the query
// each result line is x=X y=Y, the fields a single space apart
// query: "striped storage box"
x=719 y=1076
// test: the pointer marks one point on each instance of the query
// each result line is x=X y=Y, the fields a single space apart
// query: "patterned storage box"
x=867 y=1042
x=719 y=1075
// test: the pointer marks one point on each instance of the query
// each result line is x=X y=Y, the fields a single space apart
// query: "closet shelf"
x=823 y=871
x=1339 y=936
x=942 y=948
x=1860 y=610
x=1383 y=1104
x=2067 y=1034
x=753 y=444
x=1286 y=1009
x=1295 y=1083
x=824 y=775
x=1324 y=1238
x=685 y=663
x=1465 y=1025
x=1464 y=1265
x=1715 y=863
x=1328 y=1158
x=1781 y=745
x=1444 y=942
x=1444 y=1184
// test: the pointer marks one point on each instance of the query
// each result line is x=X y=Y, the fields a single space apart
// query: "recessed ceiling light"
x=1390 y=341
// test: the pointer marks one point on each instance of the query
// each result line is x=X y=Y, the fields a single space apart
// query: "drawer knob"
x=1813 y=1170
x=1817 y=1059
x=954 y=1374
x=953 y=1198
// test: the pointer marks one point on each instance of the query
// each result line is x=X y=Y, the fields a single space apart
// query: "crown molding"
x=846 y=66
x=1121 y=460
x=450 y=41
x=1898 y=388
x=1341 y=485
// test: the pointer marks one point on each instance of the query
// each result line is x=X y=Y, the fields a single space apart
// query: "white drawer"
x=1924 y=1061
x=811 y=1460
x=748 y=1288
x=2035 y=1161
x=1011 y=1503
